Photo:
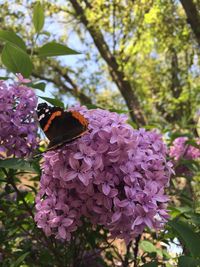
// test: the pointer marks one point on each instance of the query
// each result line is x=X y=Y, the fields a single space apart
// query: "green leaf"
x=12 y=38
x=30 y=198
x=159 y=252
x=174 y=212
x=16 y=60
x=190 y=163
x=38 y=17
x=147 y=246
x=16 y=164
x=32 y=188
x=150 y=264
x=177 y=211
x=18 y=262
x=41 y=86
x=192 y=143
x=165 y=254
x=195 y=218
x=119 y=111
x=55 y=49
x=185 y=261
x=187 y=234
x=169 y=265
x=45 y=33
x=176 y=135
x=53 y=101
x=4 y=78
x=198 y=126
x=92 y=106
x=184 y=209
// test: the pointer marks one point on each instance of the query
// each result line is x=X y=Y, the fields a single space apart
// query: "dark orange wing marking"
x=53 y=115
x=80 y=118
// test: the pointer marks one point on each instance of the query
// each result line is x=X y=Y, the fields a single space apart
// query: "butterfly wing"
x=61 y=126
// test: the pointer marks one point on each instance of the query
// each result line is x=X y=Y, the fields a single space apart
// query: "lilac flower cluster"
x=18 y=127
x=180 y=149
x=114 y=175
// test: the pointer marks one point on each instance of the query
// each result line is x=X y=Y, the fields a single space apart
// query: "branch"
x=193 y=17
x=126 y=259
x=175 y=84
x=54 y=81
x=11 y=181
x=136 y=249
x=114 y=26
x=74 y=91
x=64 y=74
x=118 y=76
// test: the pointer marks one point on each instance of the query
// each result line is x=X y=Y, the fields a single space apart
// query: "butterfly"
x=61 y=126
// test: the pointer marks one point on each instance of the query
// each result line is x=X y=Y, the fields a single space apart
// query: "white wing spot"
x=41 y=117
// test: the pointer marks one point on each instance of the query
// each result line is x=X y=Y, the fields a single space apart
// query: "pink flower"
x=180 y=150
x=113 y=175
x=21 y=79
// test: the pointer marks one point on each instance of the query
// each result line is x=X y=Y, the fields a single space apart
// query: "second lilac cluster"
x=18 y=127
x=114 y=175
x=180 y=149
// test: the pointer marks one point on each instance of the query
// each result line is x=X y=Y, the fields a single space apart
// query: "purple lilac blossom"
x=180 y=149
x=114 y=175
x=18 y=127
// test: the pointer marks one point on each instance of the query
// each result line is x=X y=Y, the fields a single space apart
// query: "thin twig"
x=136 y=248
x=126 y=259
x=114 y=26
x=20 y=195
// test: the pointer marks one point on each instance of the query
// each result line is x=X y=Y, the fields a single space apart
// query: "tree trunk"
x=193 y=17
x=118 y=76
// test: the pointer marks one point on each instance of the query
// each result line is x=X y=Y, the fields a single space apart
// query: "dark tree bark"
x=175 y=85
x=77 y=92
x=73 y=90
x=118 y=76
x=193 y=17
x=176 y=88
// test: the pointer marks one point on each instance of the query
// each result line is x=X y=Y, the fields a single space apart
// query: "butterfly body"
x=61 y=126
